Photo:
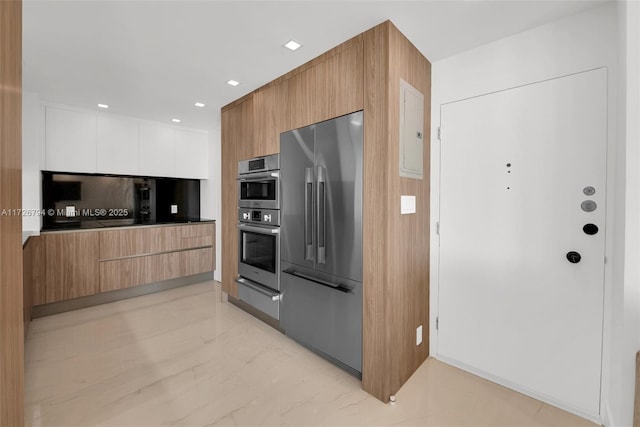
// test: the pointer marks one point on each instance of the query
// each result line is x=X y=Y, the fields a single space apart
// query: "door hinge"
x=439 y=134
x=438 y=228
x=437 y=321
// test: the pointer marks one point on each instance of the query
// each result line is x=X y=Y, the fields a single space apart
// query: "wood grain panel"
x=396 y=260
x=243 y=136
x=271 y=108
x=196 y=230
x=307 y=65
x=636 y=413
x=339 y=84
x=303 y=99
x=33 y=277
x=197 y=261
x=128 y=272
x=38 y=270
x=11 y=293
x=409 y=253
x=375 y=353
x=71 y=263
x=237 y=137
x=196 y=242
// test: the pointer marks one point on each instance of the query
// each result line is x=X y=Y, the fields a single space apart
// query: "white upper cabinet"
x=157 y=150
x=70 y=140
x=192 y=154
x=97 y=142
x=118 y=148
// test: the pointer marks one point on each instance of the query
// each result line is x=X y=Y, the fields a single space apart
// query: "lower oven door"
x=259 y=254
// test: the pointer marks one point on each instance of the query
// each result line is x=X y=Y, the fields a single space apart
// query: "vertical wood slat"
x=71 y=265
x=408 y=235
x=11 y=285
x=375 y=253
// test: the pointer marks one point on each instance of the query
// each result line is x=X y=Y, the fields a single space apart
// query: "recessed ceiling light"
x=175 y=120
x=292 y=45
x=199 y=104
x=233 y=83
x=105 y=106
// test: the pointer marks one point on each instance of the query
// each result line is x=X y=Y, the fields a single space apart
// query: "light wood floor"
x=181 y=357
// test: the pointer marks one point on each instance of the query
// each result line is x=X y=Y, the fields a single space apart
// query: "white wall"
x=625 y=339
x=574 y=44
x=210 y=192
x=32 y=117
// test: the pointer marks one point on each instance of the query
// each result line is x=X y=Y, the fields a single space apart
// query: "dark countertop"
x=121 y=222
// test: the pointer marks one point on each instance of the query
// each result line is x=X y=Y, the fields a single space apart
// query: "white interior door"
x=516 y=166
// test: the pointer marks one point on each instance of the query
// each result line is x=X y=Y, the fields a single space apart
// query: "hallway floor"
x=181 y=357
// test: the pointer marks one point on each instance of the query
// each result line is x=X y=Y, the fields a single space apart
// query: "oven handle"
x=260 y=230
x=275 y=296
x=259 y=176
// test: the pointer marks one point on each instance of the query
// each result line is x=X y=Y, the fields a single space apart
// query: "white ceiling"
x=155 y=59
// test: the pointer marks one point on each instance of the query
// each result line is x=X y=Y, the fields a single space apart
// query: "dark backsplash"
x=108 y=197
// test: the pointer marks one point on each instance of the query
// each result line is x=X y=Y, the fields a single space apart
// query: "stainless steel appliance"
x=321 y=282
x=259 y=234
x=259 y=182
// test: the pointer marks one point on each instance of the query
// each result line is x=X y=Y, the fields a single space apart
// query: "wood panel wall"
x=396 y=257
x=11 y=293
x=408 y=235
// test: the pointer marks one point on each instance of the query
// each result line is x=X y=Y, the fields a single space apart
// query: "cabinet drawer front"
x=129 y=272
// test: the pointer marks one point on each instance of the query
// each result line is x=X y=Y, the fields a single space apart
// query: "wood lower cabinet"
x=71 y=263
x=78 y=264
x=141 y=270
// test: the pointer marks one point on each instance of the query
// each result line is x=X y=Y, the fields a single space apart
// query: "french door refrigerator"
x=321 y=238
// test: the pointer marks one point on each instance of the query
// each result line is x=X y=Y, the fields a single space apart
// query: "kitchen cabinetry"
x=191 y=154
x=233 y=136
x=70 y=139
x=84 y=263
x=331 y=88
x=117 y=147
x=71 y=263
x=139 y=256
x=270 y=110
x=90 y=142
x=363 y=73
x=157 y=150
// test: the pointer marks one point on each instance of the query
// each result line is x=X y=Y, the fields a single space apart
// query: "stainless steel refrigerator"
x=321 y=238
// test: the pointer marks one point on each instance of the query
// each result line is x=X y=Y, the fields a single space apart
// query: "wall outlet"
x=174 y=209
x=419 y=335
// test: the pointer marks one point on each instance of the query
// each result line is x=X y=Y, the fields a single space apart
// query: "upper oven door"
x=259 y=254
x=259 y=190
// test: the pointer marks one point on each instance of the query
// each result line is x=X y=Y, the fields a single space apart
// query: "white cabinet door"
x=70 y=140
x=191 y=154
x=157 y=150
x=118 y=147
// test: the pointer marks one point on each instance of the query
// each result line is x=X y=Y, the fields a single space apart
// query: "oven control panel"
x=259 y=216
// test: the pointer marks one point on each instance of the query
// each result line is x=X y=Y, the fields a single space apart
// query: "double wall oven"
x=259 y=233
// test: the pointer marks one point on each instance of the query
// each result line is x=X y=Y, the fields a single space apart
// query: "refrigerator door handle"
x=336 y=286
x=308 y=214
x=322 y=180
